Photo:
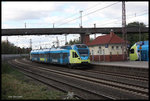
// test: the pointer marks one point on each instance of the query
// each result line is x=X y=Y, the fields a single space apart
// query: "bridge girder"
x=59 y=31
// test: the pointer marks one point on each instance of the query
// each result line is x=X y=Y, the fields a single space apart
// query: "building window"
x=110 y=54
x=112 y=47
x=100 y=51
x=117 y=47
x=92 y=52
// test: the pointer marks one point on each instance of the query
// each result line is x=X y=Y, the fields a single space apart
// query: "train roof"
x=62 y=49
x=142 y=43
x=80 y=45
x=66 y=47
x=50 y=50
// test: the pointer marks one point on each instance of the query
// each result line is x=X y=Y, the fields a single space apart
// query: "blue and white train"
x=140 y=51
x=66 y=55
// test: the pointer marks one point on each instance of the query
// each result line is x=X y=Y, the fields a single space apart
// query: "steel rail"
x=80 y=96
x=112 y=84
x=115 y=79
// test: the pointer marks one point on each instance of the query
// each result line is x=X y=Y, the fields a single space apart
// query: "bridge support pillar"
x=84 y=38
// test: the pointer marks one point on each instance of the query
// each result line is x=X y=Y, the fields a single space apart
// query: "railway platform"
x=132 y=64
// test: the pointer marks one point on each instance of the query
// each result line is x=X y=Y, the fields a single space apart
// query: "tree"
x=75 y=41
x=135 y=37
x=136 y=24
x=9 y=48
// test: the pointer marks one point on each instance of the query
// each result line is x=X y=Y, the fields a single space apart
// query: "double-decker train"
x=70 y=55
x=140 y=51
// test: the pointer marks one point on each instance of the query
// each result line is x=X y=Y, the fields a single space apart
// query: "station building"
x=107 y=48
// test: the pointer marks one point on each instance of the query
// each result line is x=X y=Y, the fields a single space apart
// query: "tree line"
x=9 y=48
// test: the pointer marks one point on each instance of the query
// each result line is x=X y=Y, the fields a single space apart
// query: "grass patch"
x=16 y=86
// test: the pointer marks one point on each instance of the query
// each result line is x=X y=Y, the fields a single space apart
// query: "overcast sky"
x=66 y=14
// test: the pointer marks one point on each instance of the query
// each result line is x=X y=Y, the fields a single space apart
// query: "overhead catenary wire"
x=77 y=13
x=119 y=19
x=83 y=15
x=126 y=15
x=89 y=13
x=64 y=19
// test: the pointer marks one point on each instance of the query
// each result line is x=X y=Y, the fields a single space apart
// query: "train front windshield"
x=82 y=49
x=83 y=52
x=81 y=46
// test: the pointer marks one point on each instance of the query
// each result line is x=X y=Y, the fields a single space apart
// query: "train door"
x=65 y=58
x=143 y=55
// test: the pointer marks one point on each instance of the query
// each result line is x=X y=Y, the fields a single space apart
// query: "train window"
x=58 y=55
x=34 y=55
x=74 y=55
x=132 y=51
x=42 y=55
x=55 y=55
x=65 y=55
x=81 y=46
x=47 y=55
x=50 y=55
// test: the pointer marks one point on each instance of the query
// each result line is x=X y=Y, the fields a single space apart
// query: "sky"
x=66 y=15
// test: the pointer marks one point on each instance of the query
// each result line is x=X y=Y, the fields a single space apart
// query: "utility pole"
x=95 y=33
x=31 y=44
x=25 y=24
x=65 y=39
x=53 y=25
x=124 y=29
x=139 y=32
x=7 y=39
x=81 y=18
x=57 y=41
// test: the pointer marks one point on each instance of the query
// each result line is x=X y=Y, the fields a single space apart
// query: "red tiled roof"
x=106 y=39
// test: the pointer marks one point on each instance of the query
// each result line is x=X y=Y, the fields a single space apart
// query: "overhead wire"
x=77 y=13
x=90 y=13
x=119 y=19
x=64 y=19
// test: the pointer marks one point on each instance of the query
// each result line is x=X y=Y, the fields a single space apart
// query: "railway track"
x=84 y=86
x=113 y=77
x=128 y=71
